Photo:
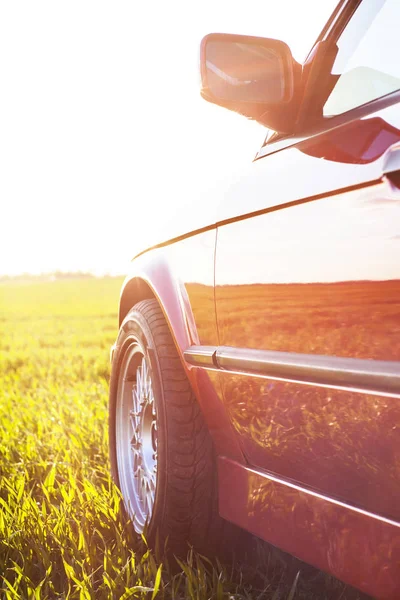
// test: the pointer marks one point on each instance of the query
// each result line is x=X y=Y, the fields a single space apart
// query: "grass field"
x=61 y=533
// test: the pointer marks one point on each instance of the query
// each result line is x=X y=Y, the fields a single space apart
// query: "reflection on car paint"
x=359 y=142
x=192 y=260
x=354 y=546
x=342 y=444
x=321 y=277
x=207 y=385
x=358 y=319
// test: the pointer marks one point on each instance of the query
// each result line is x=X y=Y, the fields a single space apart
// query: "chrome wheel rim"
x=136 y=437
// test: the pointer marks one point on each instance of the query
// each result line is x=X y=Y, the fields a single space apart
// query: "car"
x=256 y=376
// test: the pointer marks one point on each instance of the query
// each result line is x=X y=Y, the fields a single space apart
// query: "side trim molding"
x=354 y=545
x=364 y=375
x=201 y=356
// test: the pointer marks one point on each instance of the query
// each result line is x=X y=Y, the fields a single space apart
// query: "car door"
x=307 y=285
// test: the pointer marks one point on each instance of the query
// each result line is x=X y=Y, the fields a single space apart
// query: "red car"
x=256 y=375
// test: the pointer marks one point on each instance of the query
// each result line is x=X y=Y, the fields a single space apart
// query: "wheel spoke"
x=144 y=380
x=139 y=387
x=140 y=429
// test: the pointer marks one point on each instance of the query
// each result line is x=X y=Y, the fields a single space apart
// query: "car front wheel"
x=161 y=452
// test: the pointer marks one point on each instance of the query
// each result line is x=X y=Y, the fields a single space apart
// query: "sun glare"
x=104 y=135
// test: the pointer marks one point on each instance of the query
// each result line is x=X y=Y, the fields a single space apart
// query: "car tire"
x=162 y=455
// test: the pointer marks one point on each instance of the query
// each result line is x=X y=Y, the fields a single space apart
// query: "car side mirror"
x=256 y=77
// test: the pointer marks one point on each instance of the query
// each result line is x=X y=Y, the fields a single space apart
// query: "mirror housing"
x=253 y=76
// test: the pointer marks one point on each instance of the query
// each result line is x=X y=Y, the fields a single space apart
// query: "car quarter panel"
x=181 y=277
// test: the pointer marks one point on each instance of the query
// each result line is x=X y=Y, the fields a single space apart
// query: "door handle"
x=391 y=165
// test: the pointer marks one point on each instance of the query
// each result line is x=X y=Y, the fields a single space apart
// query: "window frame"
x=308 y=126
x=332 y=35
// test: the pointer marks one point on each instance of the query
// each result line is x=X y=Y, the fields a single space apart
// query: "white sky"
x=103 y=134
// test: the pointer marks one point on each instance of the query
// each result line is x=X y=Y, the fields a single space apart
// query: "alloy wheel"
x=136 y=436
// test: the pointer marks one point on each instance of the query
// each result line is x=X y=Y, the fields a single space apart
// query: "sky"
x=103 y=134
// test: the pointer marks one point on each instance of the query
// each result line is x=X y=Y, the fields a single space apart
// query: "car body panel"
x=319 y=277
x=353 y=545
x=353 y=155
x=342 y=444
x=183 y=286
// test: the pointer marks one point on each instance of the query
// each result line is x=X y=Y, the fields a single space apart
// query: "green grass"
x=61 y=531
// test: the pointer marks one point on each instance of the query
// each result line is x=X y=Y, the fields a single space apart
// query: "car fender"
x=152 y=275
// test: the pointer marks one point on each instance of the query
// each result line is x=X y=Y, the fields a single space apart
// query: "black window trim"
x=334 y=27
x=332 y=31
x=330 y=123
x=335 y=30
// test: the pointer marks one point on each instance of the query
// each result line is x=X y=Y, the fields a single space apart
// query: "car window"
x=367 y=65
